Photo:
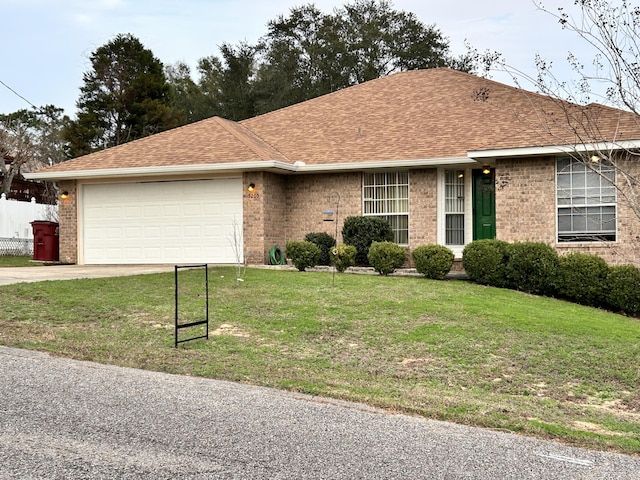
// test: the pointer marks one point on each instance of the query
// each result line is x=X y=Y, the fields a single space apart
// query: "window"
x=454 y=207
x=386 y=195
x=586 y=198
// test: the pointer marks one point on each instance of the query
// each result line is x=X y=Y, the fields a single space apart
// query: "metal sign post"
x=179 y=326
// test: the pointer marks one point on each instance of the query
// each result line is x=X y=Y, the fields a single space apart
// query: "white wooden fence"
x=16 y=232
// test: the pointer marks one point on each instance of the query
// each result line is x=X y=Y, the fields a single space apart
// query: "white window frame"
x=442 y=214
x=376 y=204
x=600 y=194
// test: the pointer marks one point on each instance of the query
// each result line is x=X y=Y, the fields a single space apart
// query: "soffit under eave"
x=552 y=150
x=239 y=168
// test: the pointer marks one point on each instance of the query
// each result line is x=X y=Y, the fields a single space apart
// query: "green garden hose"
x=276 y=257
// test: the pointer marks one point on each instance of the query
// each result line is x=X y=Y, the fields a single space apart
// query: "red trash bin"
x=45 y=241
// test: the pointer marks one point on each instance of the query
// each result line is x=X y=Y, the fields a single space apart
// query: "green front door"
x=484 y=205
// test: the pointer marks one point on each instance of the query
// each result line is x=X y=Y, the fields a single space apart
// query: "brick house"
x=445 y=156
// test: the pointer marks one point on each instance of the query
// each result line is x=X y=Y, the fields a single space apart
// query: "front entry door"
x=484 y=205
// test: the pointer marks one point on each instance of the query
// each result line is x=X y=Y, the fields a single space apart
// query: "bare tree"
x=594 y=116
x=15 y=151
x=30 y=139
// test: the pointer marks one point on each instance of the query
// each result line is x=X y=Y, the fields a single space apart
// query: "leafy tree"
x=125 y=96
x=188 y=99
x=236 y=95
x=381 y=40
x=303 y=56
x=30 y=139
x=227 y=84
x=309 y=53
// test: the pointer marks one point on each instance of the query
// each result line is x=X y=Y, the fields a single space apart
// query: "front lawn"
x=449 y=350
x=11 y=261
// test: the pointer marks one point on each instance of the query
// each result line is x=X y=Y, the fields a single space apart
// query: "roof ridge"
x=253 y=144
x=329 y=94
x=367 y=84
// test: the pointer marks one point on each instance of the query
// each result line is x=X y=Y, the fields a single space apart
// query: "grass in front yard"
x=12 y=261
x=448 y=350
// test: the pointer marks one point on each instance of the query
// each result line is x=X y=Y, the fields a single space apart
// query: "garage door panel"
x=163 y=222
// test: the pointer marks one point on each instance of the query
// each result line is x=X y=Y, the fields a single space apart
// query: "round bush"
x=485 y=262
x=433 y=261
x=324 y=242
x=533 y=268
x=386 y=257
x=361 y=232
x=343 y=257
x=583 y=279
x=623 y=283
x=303 y=254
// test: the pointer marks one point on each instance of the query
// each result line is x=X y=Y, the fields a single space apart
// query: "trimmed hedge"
x=303 y=254
x=537 y=268
x=533 y=267
x=324 y=242
x=623 y=282
x=385 y=257
x=485 y=262
x=433 y=261
x=583 y=279
x=361 y=232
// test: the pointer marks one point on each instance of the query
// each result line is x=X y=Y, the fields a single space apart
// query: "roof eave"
x=239 y=167
x=161 y=171
x=488 y=155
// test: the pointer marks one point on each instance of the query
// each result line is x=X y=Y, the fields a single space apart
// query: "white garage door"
x=174 y=222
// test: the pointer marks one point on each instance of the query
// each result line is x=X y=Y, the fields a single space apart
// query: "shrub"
x=532 y=268
x=303 y=254
x=485 y=262
x=623 y=282
x=324 y=242
x=433 y=261
x=361 y=232
x=583 y=279
x=343 y=257
x=385 y=257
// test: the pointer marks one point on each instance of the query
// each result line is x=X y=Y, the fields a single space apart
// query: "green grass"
x=11 y=261
x=448 y=350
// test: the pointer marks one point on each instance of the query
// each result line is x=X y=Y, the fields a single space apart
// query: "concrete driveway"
x=67 y=272
x=63 y=418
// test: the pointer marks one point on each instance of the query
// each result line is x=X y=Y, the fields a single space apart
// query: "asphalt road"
x=65 y=419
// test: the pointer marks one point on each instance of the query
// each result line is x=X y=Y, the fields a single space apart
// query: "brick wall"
x=309 y=195
x=68 y=219
x=286 y=208
x=275 y=209
x=525 y=200
x=422 y=207
x=264 y=213
x=526 y=210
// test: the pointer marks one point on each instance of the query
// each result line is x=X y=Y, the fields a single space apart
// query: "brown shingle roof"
x=210 y=141
x=422 y=114
x=415 y=115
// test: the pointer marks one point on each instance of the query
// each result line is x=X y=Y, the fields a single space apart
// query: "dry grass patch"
x=447 y=350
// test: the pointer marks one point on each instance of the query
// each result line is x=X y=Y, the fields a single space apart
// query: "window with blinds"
x=586 y=198
x=454 y=207
x=386 y=195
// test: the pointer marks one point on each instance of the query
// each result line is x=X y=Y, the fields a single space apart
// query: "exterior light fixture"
x=64 y=195
x=460 y=174
x=486 y=170
x=595 y=158
x=251 y=188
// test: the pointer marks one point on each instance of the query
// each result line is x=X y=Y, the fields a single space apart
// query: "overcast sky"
x=46 y=43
